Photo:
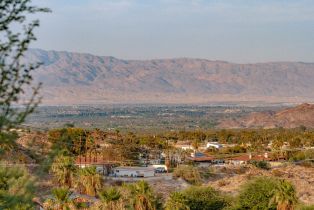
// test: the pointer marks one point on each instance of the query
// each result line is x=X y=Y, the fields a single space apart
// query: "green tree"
x=16 y=189
x=261 y=164
x=16 y=34
x=205 y=198
x=61 y=200
x=72 y=140
x=257 y=194
x=110 y=199
x=141 y=196
x=284 y=196
x=305 y=207
x=88 y=181
x=189 y=173
x=177 y=201
x=63 y=169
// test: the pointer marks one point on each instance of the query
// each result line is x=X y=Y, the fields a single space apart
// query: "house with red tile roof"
x=244 y=159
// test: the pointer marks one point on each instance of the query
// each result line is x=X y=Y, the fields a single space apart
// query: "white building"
x=185 y=146
x=214 y=144
x=134 y=172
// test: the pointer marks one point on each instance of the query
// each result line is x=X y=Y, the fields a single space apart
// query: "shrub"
x=177 y=201
x=307 y=164
x=261 y=164
x=267 y=193
x=233 y=150
x=188 y=173
x=277 y=173
x=204 y=198
x=222 y=183
x=17 y=188
x=257 y=193
x=304 y=207
x=206 y=173
x=302 y=155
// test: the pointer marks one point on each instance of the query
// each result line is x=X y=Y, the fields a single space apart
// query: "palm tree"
x=61 y=200
x=88 y=181
x=64 y=170
x=141 y=196
x=109 y=199
x=176 y=201
x=284 y=196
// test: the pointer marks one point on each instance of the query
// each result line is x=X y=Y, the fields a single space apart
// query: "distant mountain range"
x=76 y=78
x=301 y=115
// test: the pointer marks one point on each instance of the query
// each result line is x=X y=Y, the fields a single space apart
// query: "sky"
x=241 y=31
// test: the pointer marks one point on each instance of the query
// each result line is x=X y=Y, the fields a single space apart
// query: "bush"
x=233 y=150
x=257 y=193
x=261 y=164
x=204 y=198
x=302 y=155
x=188 y=173
x=304 y=207
x=308 y=164
x=206 y=173
x=277 y=173
x=177 y=201
x=222 y=183
x=17 y=188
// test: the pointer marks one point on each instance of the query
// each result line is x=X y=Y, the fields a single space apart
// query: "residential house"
x=244 y=159
x=102 y=167
x=184 y=145
x=214 y=144
x=206 y=161
x=133 y=172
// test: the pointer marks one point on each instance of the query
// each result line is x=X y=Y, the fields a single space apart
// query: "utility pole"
x=85 y=148
x=80 y=150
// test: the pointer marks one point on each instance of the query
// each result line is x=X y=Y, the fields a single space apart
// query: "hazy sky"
x=232 y=30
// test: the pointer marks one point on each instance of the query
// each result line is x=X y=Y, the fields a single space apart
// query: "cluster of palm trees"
x=87 y=181
x=137 y=196
x=84 y=180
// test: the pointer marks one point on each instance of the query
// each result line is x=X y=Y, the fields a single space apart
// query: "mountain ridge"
x=301 y=115
x=76 y=78
x=160 y=59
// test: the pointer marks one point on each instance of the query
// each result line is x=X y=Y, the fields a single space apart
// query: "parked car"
x=160 y=170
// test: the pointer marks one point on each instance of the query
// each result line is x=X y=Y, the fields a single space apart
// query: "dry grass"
x=301 y=177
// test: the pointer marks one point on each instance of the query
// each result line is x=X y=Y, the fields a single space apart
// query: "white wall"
x=134 y=172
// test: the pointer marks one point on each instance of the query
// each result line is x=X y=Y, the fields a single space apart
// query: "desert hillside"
x=74 y=78
x=302 y=115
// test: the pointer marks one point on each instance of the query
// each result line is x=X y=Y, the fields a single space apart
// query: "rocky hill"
x=75 y=78
x=302 y=115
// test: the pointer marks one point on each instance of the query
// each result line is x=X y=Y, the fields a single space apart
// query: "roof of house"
x=247 y=158
x=214 y=143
